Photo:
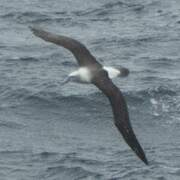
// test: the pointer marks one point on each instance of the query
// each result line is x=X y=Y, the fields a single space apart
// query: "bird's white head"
x=82 y=75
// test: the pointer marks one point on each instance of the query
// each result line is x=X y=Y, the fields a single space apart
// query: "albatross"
x=91 y=71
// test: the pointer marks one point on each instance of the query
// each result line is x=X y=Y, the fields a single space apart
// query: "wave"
x=26 y=17
x=35 y=17
x=25 y=59
x=110 y=8
x=52 y=165
x=46 y=17
x=71 y=172
x=12 y=98
x=106 y=10
x=11 y=125
x=139 y=40
x=163 y=62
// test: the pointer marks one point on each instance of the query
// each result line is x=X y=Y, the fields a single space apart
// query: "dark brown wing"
x=119 y=108
x=80 y=52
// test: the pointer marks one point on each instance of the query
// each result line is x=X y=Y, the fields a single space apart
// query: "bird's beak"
x=66 y=80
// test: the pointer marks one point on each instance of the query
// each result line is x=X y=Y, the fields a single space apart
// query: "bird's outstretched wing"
x=80 y=52
x=120 y=111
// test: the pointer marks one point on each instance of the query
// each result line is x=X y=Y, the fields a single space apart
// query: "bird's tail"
x=123 y=71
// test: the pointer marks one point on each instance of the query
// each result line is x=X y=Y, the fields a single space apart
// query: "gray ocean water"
x=50 y=132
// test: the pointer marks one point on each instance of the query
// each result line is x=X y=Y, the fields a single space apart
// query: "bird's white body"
x=84 y=75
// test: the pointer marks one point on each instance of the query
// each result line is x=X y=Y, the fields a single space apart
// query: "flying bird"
x=91 y=71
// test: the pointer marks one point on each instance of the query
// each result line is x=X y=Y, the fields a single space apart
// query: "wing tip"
x=140 y=152
x=133 y=143
x=146 y=162
x=35 y=30
x=32 y=28
x=144 y=159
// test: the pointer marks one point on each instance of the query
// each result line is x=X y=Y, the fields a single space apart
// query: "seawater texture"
x=50 y=132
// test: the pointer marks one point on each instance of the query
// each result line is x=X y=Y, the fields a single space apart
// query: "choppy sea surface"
x=50 y=132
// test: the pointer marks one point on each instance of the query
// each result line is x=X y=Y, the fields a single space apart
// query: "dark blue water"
x=49 y=132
